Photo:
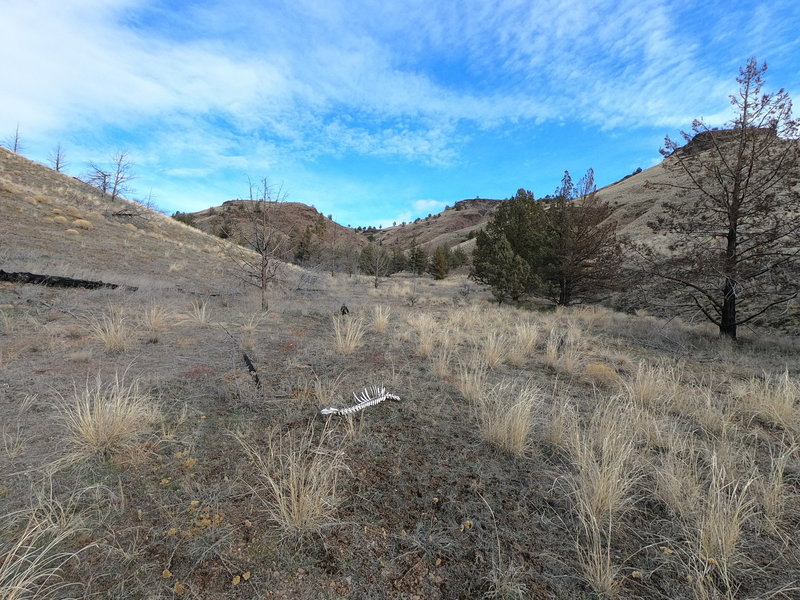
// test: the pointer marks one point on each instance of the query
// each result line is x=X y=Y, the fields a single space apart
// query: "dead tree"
x=257 y=245
x=734 y=232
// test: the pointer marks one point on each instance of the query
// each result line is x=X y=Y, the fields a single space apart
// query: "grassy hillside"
x=55 y=224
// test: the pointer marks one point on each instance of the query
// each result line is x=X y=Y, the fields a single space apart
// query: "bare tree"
x=115 y=182
x=98 y=177
x=258 y=254
x=735 y=231
x=56 y=159
x=13 y=141
x=375 y=261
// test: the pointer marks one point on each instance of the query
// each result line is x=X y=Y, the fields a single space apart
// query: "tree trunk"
x=727 y=324
x=264 y=299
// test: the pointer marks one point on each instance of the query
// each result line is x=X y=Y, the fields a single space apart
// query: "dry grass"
x=13 y=441
x=442 y=356
x=325 y=389
x=156 y=317
x=605 y=471
x=427 y=337
x=102 y=420
x=677 y=478
x=31 y=565
x=199 y=313
x=380 y=318
x=563 y=350
x=505 y=416
x=725 y=508
x=298 y=482
x=494 y=349
x=112 y=331
x=348 y=333
x=655 y=388
x=773 y=491
x=594 y=557
x=471 y=379
x=772 y=399
x=602 y=375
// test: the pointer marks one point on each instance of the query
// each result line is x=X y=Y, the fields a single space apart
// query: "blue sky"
x=376 y=111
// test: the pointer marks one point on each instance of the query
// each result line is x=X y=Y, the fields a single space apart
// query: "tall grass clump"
x=155 y=317
x=112 y=331
x=199 y=313
x=505 y=416
x=297 y=481
x=773 y=489
x=102 y=420
x=425 y=327
x=348 y=333
x=31 y=565
x=655 y=388
x=494 y=349
x=380 y=318
x=717 y=529
x=471 y=379
x=605 y=472
x=772 y=400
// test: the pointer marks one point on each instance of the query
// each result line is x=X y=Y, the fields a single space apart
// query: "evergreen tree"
x=440 y=262
x=399 y=260
x=417 y=259
x=512 y=247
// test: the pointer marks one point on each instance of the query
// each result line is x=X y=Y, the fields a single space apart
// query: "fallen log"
x=57 y=281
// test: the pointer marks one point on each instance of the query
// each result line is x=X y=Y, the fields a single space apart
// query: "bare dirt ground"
x=532 y=454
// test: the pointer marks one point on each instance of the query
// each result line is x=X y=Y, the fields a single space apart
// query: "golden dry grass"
x=380 y=318
x=104 y=419
x=297 y=481
x=112 y=331
x=348 y=333
x=505 y=415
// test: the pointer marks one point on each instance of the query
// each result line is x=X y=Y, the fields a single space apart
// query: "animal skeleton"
x=370 y=397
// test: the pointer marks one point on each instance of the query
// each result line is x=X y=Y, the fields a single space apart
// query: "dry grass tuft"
x=505 y=416
x=725 y=509
x=773 y=491
x=471 y=379
x=380 y=318
x=655 y=388
x=604 y=467
x=348 y=333
x=602 y=375
x=102 y=420
x=112 y=330
x=494 y=349
x=82 y=223
x=425 y=327
x=441 y=357
x=31 y=566
x=156 y=318
x=298 y=482
x=772 y=400
x=199 y=313
x=13 y=441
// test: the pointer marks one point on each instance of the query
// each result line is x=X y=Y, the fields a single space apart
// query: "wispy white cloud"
x=217 y=88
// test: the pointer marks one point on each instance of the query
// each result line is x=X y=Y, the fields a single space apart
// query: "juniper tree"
x=516 y=239
x=735 y=229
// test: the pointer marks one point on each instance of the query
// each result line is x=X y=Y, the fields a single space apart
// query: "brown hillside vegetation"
x=576 y=453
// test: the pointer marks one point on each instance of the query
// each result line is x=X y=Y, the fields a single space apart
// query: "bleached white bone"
x=369 y=397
